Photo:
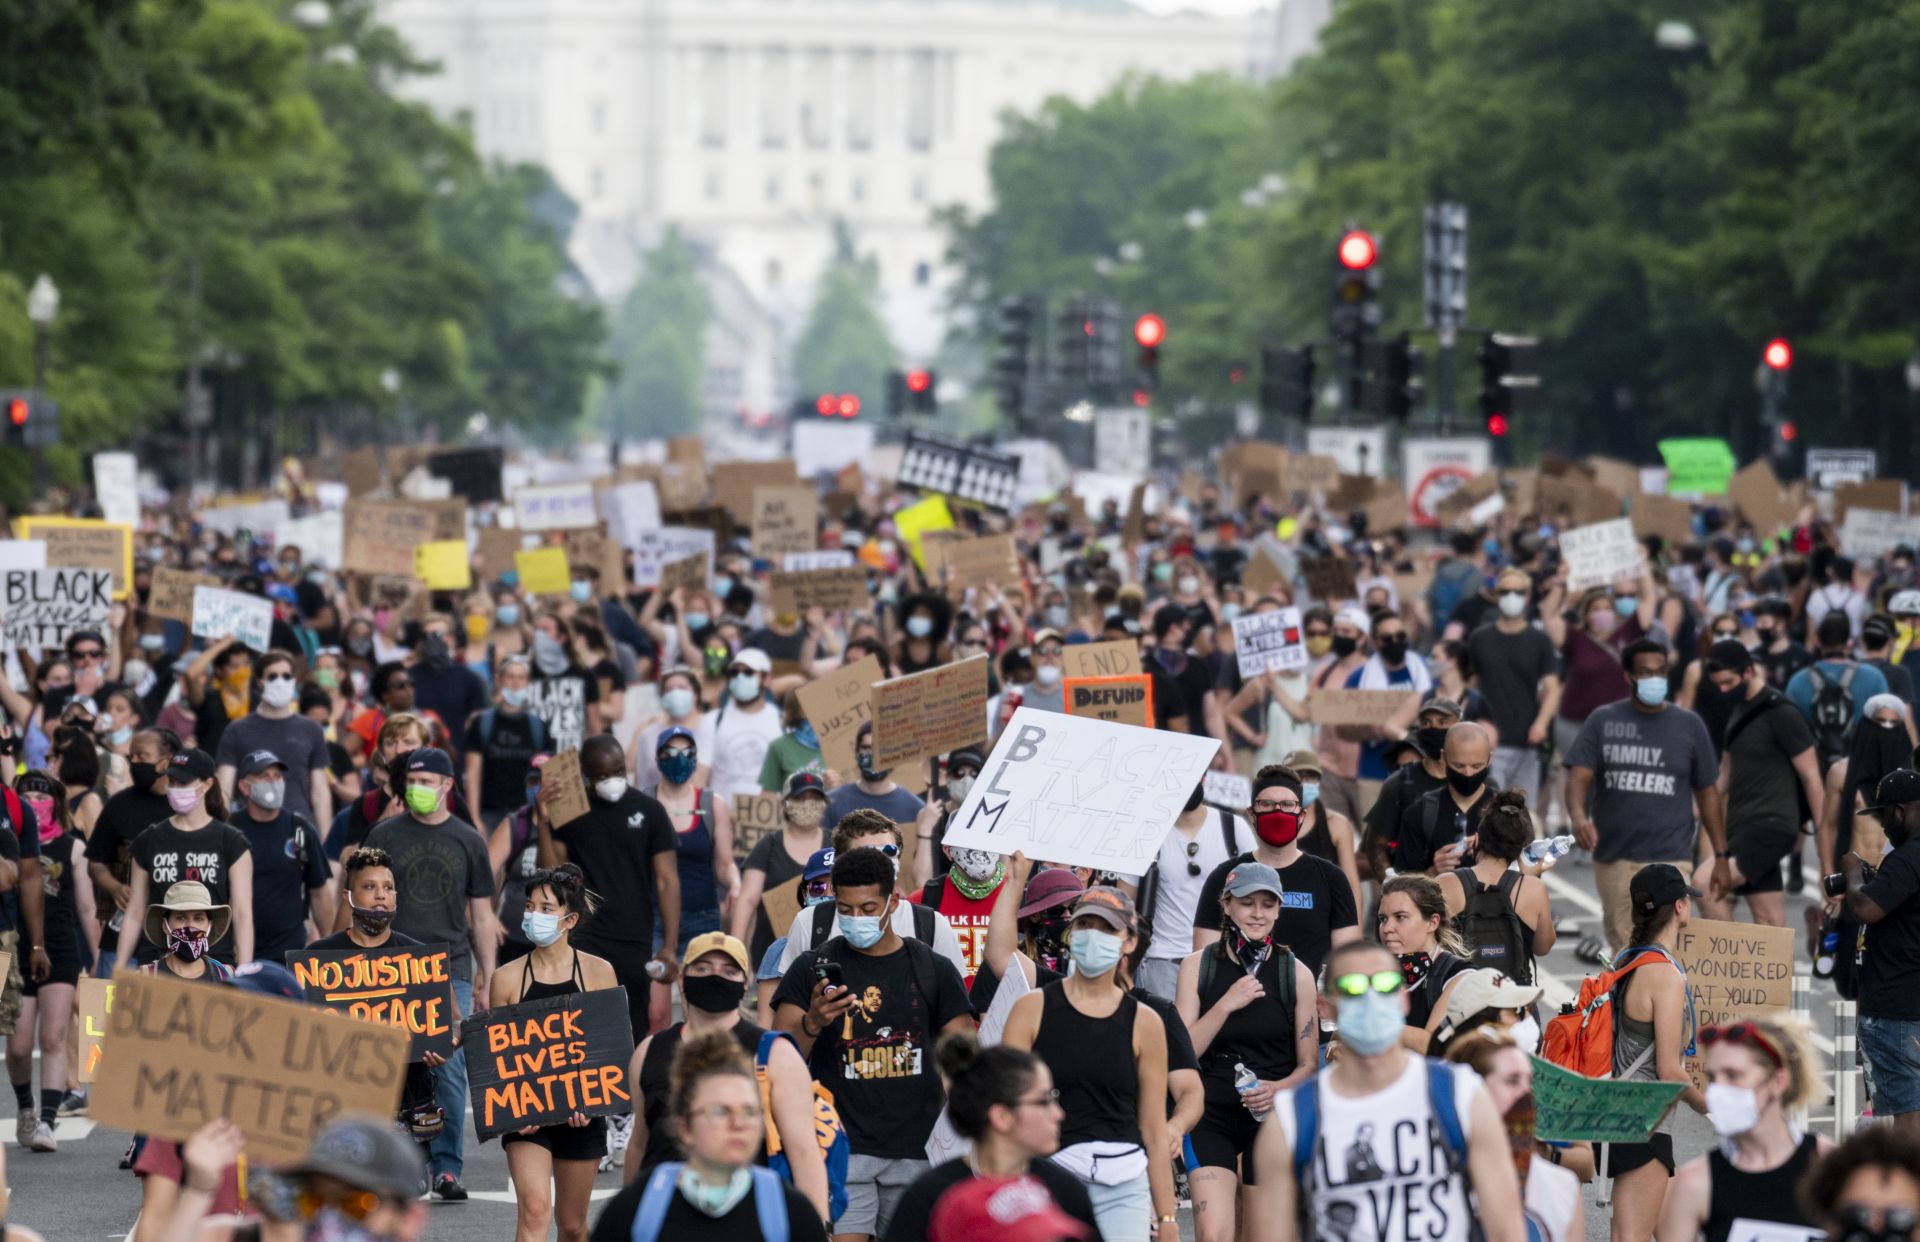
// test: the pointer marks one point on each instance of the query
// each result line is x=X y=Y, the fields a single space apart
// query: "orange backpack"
x=1581 y=1037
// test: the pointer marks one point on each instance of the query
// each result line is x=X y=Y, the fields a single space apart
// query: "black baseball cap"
x=255 y=762
x=191 y=765
x=1730 y=655
x=1659 y=884
x=1898 y=786
x=430 y=759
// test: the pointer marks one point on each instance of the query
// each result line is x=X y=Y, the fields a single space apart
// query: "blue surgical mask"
x=919 y=627
x=723 y=586
x=1309 y=794
x=542 y=929
x=1229 y=611
x=678 y=765
x=1743 y=546
x=513 y=698
x=697 y=621
x=862 y=931
x=581 y=592
x=1094 y=952
x=1370 y=1024
x=744 y=687
x=806 y=736
x=507 y=614
x=678 y=702
x=120 y=736
x=1651 y=690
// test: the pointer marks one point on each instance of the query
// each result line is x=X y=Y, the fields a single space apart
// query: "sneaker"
x=447 y=1189
x=1593 y=951
x=126 y=1157
x=619 y=1134
x=43 y=1139
x=74 y=1104
x=24 y=1125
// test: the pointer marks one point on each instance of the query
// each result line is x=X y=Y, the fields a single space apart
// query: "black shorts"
x=1626 y=1157
x=1223 y=1139
x=1757 y=852
x=588 y=1142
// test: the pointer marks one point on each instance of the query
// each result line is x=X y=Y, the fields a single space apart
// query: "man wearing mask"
x=1776 y=651
x=1390 y=667
x=125 y=816
x=442 y=684
x=276 y=725
x=1203 y=837
x=1409 y=782
x=290 y=871
x=1634 y=774
x=1317 y=914
x=743 y=726
x=1044 y=692
x=930 y=825
x=1887 y=900
x=625 y=847
x=1434 y=828
x=1519 y=674
x=876 y=789
x=1173 y=628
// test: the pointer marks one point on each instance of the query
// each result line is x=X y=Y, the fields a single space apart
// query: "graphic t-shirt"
x=286 y=864
x=1646 y=766
x=437 y=870
x=506 y=757
x=617 y=845
x=967 y=917
x=169 y=855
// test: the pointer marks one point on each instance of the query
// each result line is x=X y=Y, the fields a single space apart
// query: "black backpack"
x=1492 y=929
x=1832 y=714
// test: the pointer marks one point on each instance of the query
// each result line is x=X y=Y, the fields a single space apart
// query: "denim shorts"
x=1892 y=1048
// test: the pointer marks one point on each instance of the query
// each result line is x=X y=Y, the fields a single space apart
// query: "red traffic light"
x=827 y=404
x=1789 y=433
x=919 y=381
x=1496 y=425
x=1142 y=397
x=18 y=408
x=1358 y=250
x=1778 y=354
x=849 y=405
x=1150 y=330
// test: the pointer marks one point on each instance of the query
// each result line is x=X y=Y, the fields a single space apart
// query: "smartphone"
x=829 y=973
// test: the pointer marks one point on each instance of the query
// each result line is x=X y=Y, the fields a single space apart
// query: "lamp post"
x=43 y=304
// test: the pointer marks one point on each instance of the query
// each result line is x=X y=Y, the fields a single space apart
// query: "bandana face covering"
x=1243 y=949
x=1520 y=1121
x=189 y=944
x=1414 y=967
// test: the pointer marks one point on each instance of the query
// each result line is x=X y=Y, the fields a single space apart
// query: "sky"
x=1205 y=6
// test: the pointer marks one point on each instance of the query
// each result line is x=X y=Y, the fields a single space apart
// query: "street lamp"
x=43 y=303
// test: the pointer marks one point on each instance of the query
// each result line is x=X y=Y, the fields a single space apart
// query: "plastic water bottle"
x=1245 y=1080
x=657 y=971
x=1548 y=851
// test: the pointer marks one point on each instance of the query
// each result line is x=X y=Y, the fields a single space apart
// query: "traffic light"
x=1776 y=364
x=1402 y=385
x=32 y=419
x=1778 y=355
x=1286 y=381
x=1149 y=331
x=920 y=383
x=1073 y=334
x=896 y=393
x=1507 y=369
x=1013 y=363
x=1356 y=285
x=828 y=405
x=1106 y=349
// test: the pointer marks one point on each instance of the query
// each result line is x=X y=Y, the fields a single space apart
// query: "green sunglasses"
x=1384 y=981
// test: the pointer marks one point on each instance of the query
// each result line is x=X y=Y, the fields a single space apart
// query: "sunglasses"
x=1742 y=1033
x=91 y=653
x=399 y=685
x=1047 y=652
x=355 y=1205
x=1385 y=982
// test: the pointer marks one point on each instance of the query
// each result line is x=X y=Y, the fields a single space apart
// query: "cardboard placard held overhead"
x=1355 y=707
x=543 y=571
x=1664 y=516
x=1120 y=658
x=539 y=1062
x=785 y=519
x=495 y=549
x=1124 y=700
x=835 y=590
x=221 y=614
x=754 y=816
x=1329 y=578
x=380 y=535
x=1734 y=970
x=179 y=1053
x=1269 y=641
x=1600 y=554
x=1227 y=789
x=84 y=543
x=1761 y=498
x=93 y=999
x=837 y=705
x=443 y=565
x=1884 y=495
x=929 y=713
x=989 y=561
x=171 y=598
x=734 y=483
x=594 y=550
x=556 y=506
x=671 y=543
x=562 y=774
x=408 y=987
x=688 y=573
x=1262 y=575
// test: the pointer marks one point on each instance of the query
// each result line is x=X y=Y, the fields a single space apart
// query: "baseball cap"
x=430 y=759
x=1730 y=654
x=1476 y=991
x=1252 y=877
x=966 y=755
x=717 y=942
x=367 y=1153
x=806 y=782
x=819 y=866
x=1110 y=905
x=1046 y=889
x=1656 y=884
x=267 y=979
x=1898 y=786
x=1904 y=603
x=191 y=765
x=1014 y=1209
x=1438 y=706
x=1044 y=634
x=753 y=658
x=255 y=762
x=1303 y=762
x=672 y=734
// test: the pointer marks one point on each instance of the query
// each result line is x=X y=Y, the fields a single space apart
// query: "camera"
x=1836 y=885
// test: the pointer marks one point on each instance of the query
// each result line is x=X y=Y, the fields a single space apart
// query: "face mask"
x=1651 y=691
x=1465 y=783
x=144 y=775
x=183 y=799
x=514 y=697
x=277 y=694
x=42 y=808
x=1521 y=1119
x=542 y=929
x=862 y=931
x=360 y=646
x=476 y=628
x=326 y=678
x=1343 y=646
x=1732 y=1110
x=1094 y=952
x=1195 y=798
x=580 y=592
x=1163 y=571
x=507 y=614
x=612 y=789
x=1603 y=621
x=919 y=627
x=712 y=993
x=678 y=765
x=1189 y=585
x=958 y=787
x=1393 y=650
x=1056 y=616
x=1047 y=675
x=714 y=1202
x=1309 y=794
x=120 y=736
x=371 y=920
x=153 y=642
x=1743 y=546
x=268 y=795
x=803 y=733
x=1277 y=828
x=1369 y=1024
x=723 y=586
x=1526 y=1032
x=806 y=812
x=1513 y=605
x=977 y=865
x=1430 y=740
x=421 y=800
x=745 y=687
x=678 y=702
x=434 y=652
x=1229 y=611
x=548 y=655
x=1319 y=644
x=189 y=944
x=867 y=770
x=697 y=621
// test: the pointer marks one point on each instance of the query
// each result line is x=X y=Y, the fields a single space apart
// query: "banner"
x=1571 y=1107
x=84 y=543
x=1264 y=641
x=1086 y=793
x=407 y=986
x=929 y=713
x=219 y=613
x=1600 y=554
x=539 y=1062
x=42 y=606
x=1124 y=700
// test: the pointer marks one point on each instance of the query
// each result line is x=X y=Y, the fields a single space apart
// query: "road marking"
x=1560 y=888
x=507 y=1195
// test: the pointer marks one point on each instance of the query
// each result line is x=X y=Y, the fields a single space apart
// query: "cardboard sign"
x=84 y=543
x=837 y=705
x=1355 y=707
x=1124 y=700
x=1120 y=658
x=555 y=506
x=1761 y=498
x=1387 y=508
x=1329 y=578
x=785 y=519
x=539 y=1062
x=1263 y=575
x=782 y=902
x=172 y=595
x=179 y=1053
x=596 y=551
x=407 y=987
x=219 y=613
x=929 y=713
x=116 y=485
x=1734 y=970
x=543 y=571
x=687 y=574
x=23 y=554
x=1133 y=527
x=990 y=561
x=1086 y=793
x=253 y=518
x=1574 y=1108
x=1227 y=789
x=825 y=558
x=1886 y=495
x=657 y=548
x=754 y=816
x=1870 y=533
x=380 y=535
x=93 y=999
x=834 y=590
x=443 y=565
x=40 y=607
x=735 y=482
x=1600 y=554
x=1664 y=516
x=562 y=774
x=1264 y=641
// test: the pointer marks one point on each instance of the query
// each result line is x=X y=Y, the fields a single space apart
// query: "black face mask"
x=434 y=653
x=1465 y=783
x=1393 y=650
x=713 y=993
x=1344 y=646
x=1193 y=799
x=143 y=775
x=1430 y=740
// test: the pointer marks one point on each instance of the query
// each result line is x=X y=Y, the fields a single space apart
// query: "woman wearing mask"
x=1505 y=833
x=198 y=826
x=1324 y=833
x=1414 y=927
x=1191 y=586
x=1108 y=1056
x=358 y=644
x=552 y=1167
x=1267 y=716
x=511 y=634
x=777 y=858
x=921 y=642
x=1759 y=1072
x=46 y=1005
x=1549 y=1192
x=76 y=761
x=121 y=716
x=476 y=628
x=681 y=707
x=331 y=674
x=796 y=750
x=712 y=984
x=399 y=735
x=513 y=849
x=703 y=837
x=1249 y=1005
x=565 y=696
x=500 y=743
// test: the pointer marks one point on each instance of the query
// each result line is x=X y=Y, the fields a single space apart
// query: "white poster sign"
x=1123 y=440
x=230 y=520
x=23 y=554
x=218 y=613
x=1597 y=555
x=1358 y=450
x=1079 y=791
x=1875 y=532
x=43 y=606
x=116 y=484
x=1828 y=468
x=1434 y=468
x=826 y=558
x=631 y=510
x=663 y=546
x=1227 y=789
x=822 y=445
x=557 y=506
x=318 y=536
x=1269 y=640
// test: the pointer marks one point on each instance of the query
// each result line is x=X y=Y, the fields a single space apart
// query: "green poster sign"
x=1697 y=467
x=1598 y=1110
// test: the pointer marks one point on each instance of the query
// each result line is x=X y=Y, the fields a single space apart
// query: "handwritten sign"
x=555 y=506
x=689 y=573
x=116 y=485
x=1329 y=578
x=379 y=536
x=1227 y=789
x=84 y=543
x=1123 y=700
x=929 y=713
x=94 y=999
x=1269 y=641
x=837 y=705
x=990 y=561
x=1734 y=970
x=543 y=571
x=405 y=986
x=782 y=902
x=656 y=548
x=785 y=519
x=754 y=816
x=178 y=1054
x=443 y=565
x=562 y=774
x=1574 y=1108
x=834 y=590
x=597 y=552
x=825 y=558
x=735 y=482
x=1114 y=659
x=1597 y=555
x=172 y=595
x=631 y=510
x=218 y=613
x=41 y=607
x=1873 y=533
x=1355 y=707
x=539 y=1062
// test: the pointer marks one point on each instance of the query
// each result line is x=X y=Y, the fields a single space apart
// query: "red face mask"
x=1277 y=827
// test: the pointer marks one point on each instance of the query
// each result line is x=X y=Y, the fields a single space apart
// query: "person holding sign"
x=1759 y=1072
x=777 y=859
x=1549 y=1191
x=553 y=1166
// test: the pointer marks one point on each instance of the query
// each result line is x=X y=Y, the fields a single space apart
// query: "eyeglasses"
x=1049 y=652
x=1048 y=1099
x=1265 y=805
x=90 y=653
x=745 y=1115
x=1742 y=1033
x=1385 y=982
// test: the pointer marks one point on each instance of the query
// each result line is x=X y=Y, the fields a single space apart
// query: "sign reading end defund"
x=1084 y=792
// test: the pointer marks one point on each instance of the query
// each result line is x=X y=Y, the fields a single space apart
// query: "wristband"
x=1721 y=854
x=1169 y=1220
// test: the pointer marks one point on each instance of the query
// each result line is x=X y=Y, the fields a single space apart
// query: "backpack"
x=1832 y=713
x=487 y=719
x=1452 y=582
x=1500 y=941
x=835 y=1148
x=1580 y=1038
x=769 y=1203
x=923 y=925
x=1446 y=1119
x=1214 y=954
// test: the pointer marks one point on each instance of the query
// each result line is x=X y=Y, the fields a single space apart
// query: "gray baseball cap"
x=367 y=1153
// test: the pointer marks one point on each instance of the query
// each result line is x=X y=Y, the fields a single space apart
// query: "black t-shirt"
x=9 y=903
x=1195 y=681
x=915 y=1209
x=1510 y=667
x=1780 y=666
x=769 y=856
x=344 y=940
x=1890 y=972
x=1169 y=701
x=288 y=860
x=1474 y=611
x=168 y=855
x=125 y=816
x=780 y=647
x=878 y=1059
x=1433 y=820
x=617 y=845
x=1316 y=902
x=686 y=1223
x=506 y=756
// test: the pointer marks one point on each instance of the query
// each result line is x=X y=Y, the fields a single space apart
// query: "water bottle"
x=1829 y=948
x=657 y=971
x=1548 y=851
x=1245 y=1080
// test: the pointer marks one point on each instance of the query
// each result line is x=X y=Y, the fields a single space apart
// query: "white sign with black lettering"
x=1229 y=790
x=1264 y=641
x=1828 y=468
x=1596 y=555
x=666 y=545
x=220 y=614
x=1874 y=532
x=826 y=558
x=1079 y=791
x=43 y=606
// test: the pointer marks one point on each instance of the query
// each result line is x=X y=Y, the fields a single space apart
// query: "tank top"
x=1759 y=1198
x=694 y=854
x=531 y=989
x=1318 y=839
x=1260 y=1035
x=1633 y=1038
x=1093 y=1068
x=661 y=1144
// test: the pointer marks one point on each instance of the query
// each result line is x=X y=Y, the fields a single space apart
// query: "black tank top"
x=1093 y=1068
x=1259 y=1036
x=532 y=989
x=1767 y=1196
x=661 y=1144
x=1318 y=839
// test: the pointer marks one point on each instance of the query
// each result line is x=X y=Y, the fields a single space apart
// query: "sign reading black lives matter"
x=40 y=607
x=539 y=1062
x=967 y=471
x=1087 y=793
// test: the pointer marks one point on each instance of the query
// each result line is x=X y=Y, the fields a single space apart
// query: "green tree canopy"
x=657 y=343
x=844 y=347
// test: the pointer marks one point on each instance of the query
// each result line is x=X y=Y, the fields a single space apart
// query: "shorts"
x=1892 y=1050
x=1223 y=1139
x=66 y=969
x=588 y=1142
x=1757 y=852
x=1626 y=1157
x=874 y=1187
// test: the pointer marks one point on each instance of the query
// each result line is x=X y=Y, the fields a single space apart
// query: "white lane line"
x=1560 y=888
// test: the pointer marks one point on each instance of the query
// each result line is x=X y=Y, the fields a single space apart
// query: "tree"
x=657 y=346
x=844 y=347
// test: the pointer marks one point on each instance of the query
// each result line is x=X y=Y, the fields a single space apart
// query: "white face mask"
x=1732 y=1110
x=1047 y=674
x=1189 y=585
x=1513 y=605
x=1526 y=1033
x=277 y=694
x=611 y=789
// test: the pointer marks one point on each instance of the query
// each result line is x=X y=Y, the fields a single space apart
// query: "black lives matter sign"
x=539 y=1062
